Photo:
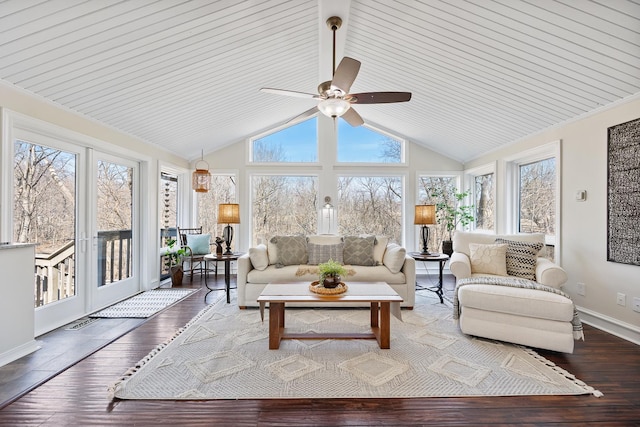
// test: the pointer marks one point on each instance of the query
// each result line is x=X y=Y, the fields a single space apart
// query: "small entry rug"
x=222 y=353
x=145 y=304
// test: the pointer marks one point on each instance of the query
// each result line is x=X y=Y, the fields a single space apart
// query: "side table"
x=227 y=271
x=441 y=259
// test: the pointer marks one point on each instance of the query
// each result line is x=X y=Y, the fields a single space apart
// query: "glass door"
x=115 y=263
x=46 y=200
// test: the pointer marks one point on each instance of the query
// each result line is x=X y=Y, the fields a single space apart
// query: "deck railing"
x=55 y=272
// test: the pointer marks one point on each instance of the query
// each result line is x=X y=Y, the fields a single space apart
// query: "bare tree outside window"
x=445 y=187
x=537 y=201
x=285 y=205
x=484 y=202
x=45 y=213
x=370 y=205
x=222 y=190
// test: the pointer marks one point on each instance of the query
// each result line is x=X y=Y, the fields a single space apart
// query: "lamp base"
x=227 y=235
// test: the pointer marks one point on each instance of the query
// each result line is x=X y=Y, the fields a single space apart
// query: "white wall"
x=584 y=224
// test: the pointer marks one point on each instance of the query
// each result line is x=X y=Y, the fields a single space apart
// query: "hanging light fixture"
x=333 y=107
x=201 y=178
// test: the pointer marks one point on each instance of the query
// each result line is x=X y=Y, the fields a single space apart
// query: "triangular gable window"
x=362 y=144
x=293 y=144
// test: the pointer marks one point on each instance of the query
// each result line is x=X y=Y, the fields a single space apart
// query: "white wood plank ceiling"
x=185 y=74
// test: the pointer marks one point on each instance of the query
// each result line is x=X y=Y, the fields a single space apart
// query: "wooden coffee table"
x=379 y=294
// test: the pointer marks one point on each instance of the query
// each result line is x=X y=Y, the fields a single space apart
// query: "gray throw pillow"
x=522 y=258
x=323 y=253
x=292 y=250
x=359 y=250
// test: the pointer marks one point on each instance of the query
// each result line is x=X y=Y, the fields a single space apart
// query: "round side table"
x=441 y=259
x=227 y=271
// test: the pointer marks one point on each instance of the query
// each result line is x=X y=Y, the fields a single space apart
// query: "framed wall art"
x=623 y=193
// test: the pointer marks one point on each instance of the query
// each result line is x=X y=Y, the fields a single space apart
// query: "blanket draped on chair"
x=516 y=282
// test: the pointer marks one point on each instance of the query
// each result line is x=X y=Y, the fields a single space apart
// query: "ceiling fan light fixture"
x=334 y=107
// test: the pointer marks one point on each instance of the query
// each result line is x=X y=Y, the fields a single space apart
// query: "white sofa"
x=260 y=266
x=530 y=317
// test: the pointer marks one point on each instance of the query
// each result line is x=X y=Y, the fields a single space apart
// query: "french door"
x=80 y=207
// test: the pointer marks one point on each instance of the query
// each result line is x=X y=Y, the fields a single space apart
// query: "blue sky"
x=353 y=142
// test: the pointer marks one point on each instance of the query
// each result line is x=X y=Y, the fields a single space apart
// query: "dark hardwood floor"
x=78 y=396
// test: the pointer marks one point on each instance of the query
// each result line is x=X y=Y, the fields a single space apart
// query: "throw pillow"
x=259 y=257
x=359 y=250
x=488 y=259
x=522 y=258
x=394 y=257
x=292 y=250
x=379 y=248
x=199 y=243
x=323 y=253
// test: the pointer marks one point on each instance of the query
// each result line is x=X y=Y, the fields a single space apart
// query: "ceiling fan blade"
x=345 y=74
x=310 y=112
x=289 y=93
x=353 y=118
x=380 y=97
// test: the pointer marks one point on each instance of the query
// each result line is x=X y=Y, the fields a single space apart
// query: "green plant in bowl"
x=331 y=273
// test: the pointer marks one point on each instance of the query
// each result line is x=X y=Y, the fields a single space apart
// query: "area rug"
x=223 y=353
x=145 y=304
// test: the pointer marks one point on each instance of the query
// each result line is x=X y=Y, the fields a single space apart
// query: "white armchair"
x=531 y=317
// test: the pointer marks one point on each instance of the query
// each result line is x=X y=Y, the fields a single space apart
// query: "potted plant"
x=175 y=262
x=451 y=212
x=331 y=273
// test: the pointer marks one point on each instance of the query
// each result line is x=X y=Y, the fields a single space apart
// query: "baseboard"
x=18 y=352
x=610 y=325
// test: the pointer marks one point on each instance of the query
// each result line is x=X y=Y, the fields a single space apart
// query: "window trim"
x=512 y=187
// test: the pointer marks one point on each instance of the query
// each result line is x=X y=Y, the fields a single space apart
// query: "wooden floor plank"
x=78 y=396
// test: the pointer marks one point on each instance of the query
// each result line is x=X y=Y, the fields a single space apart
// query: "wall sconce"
x=425 y=215
x=228 y=213
x=328 y=217
x=201 y=178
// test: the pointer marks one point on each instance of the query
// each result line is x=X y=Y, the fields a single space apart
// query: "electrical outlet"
x=621 y=299
x=636 y=304
x=581 y=289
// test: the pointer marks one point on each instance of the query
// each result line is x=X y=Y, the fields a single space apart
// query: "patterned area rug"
x=145 y=304
x=223 y=354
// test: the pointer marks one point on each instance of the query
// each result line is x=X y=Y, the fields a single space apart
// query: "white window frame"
x=512 y=188
x=469 y=181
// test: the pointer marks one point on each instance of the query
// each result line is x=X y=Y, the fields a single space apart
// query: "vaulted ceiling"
x=185 y=74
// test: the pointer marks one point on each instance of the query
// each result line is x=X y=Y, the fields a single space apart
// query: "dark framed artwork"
x=623 y=193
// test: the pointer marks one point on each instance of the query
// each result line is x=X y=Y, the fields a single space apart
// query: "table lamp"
x=228 y=213
x=425 y=215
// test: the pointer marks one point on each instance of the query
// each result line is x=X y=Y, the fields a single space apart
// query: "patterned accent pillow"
x=323 y=253
x=522 y=258
x=292 y=250
x=199 y=243
x=488 y=259
x=359 y=250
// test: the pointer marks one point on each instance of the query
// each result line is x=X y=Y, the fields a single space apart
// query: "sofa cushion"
x=199 y=243
x=259 y=257
x=488 y=259
x=318 y=254
x=394 y=257
x=292 y=250
x=359 y=250
x=379 y=248
x=324 y=239
x=521 y=258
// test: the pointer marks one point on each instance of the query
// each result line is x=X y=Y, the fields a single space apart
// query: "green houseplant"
x=452 y=212
x=331 y=273
x=175 y=261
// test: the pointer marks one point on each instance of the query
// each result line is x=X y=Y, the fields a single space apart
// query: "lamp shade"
x=425 y=215
x=334 y=107
x=229 y=213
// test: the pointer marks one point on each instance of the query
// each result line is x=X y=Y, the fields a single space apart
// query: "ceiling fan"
x=334 y=96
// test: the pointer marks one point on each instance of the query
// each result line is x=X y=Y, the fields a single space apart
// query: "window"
x=537 y=197
x=484 y=201
x=370 y=205
x=443 y=187
x=362 y=144
x=169 y=207
x=223 y=190
x=283 y=204
x=294 y=144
